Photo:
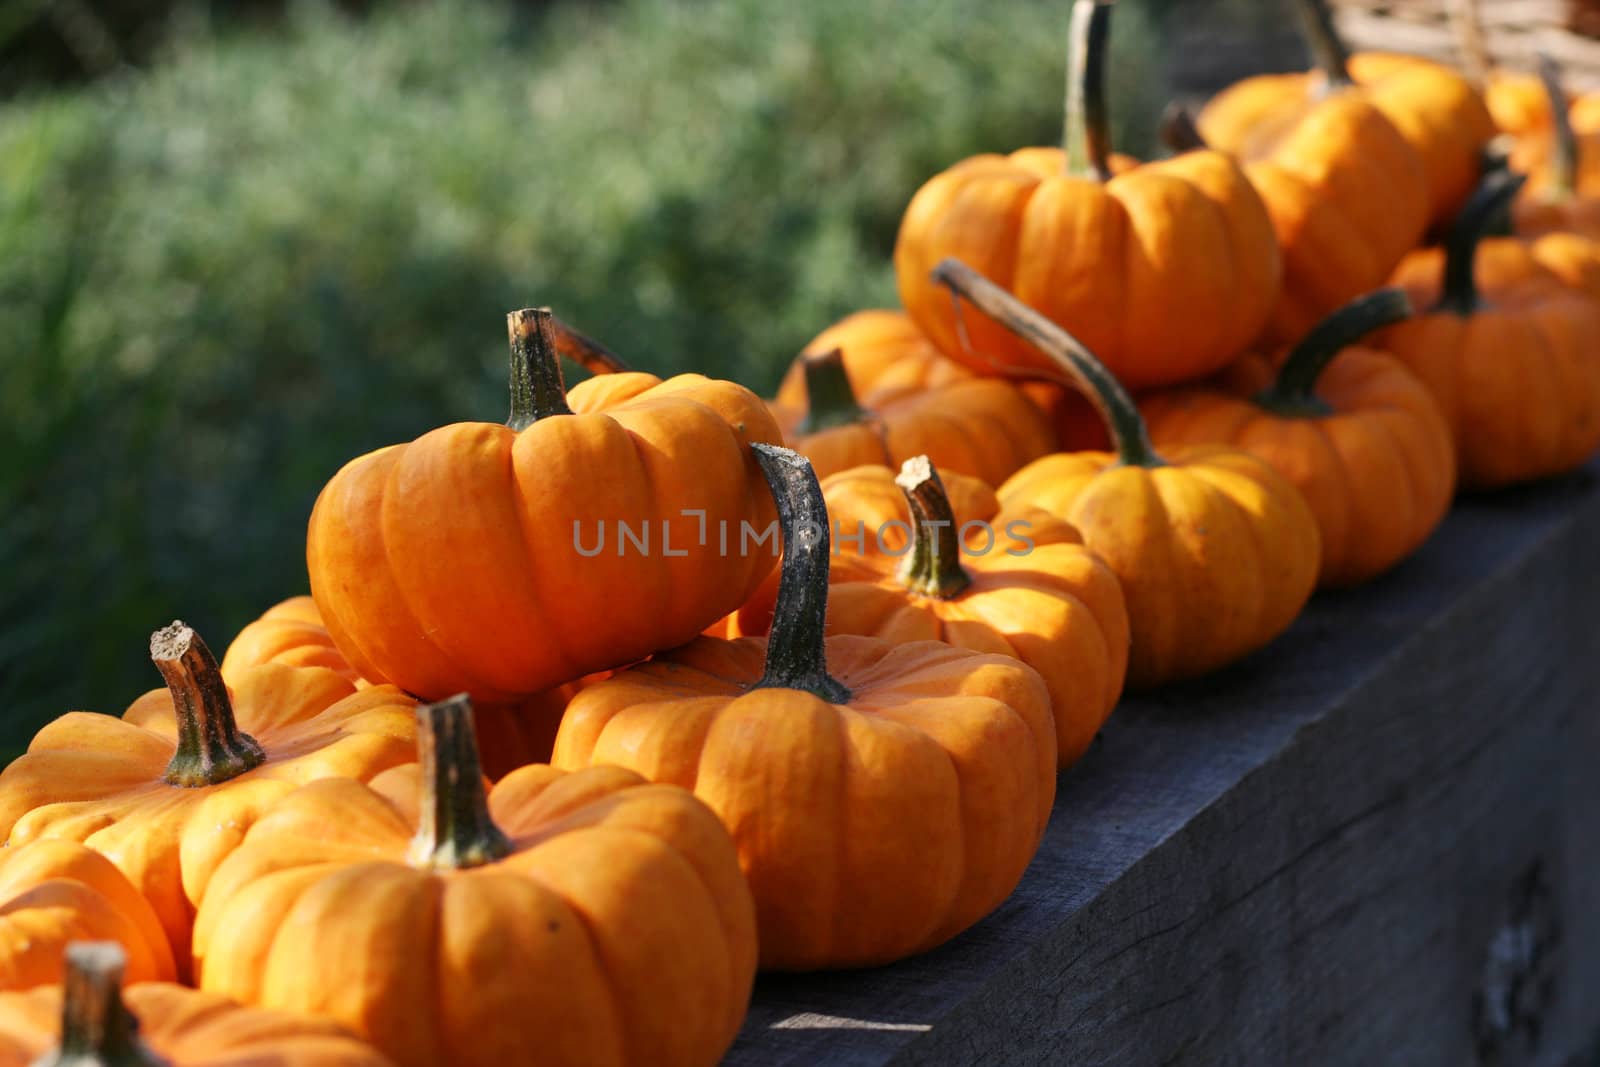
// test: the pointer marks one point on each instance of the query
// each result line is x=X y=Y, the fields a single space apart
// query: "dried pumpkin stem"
x=830 y=400
x=1079 y=365
x=796 y=649
x=585 y=351
x=97 y=1029
x=454 y=831
x=1179 y=131
x=537 y=390
x=1087 y=138
x=934 y=566
x=1478 y=219
x=1328 y=49
x=1563 y=183
x=211 y=747
x=1294 y=391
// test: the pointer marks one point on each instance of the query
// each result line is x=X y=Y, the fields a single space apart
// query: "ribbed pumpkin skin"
x=1378 y=472
x=617 y=931
x=1115 y=263
x=1563 y=260
x=190 y=1029
x=55 y=892
x=290 y=632
x=498 y=601
x=1217 y=554
x=98 y=779
x=868 y=831
x=1348 y=197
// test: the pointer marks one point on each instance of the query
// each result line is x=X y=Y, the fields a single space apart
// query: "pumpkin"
x=165 y=791
x=883 y=797
x=867 y=509
x=885 y=354
x=491 y=558
x=586 y=918
x=1168 y=269
x=55 y=892
x=90 y=1021
x=290 y=632
x=1433 y=107
x=1349 y=427
x=1511 y=365
x=981 y=426
x=1563 y=193
x=1216 y=552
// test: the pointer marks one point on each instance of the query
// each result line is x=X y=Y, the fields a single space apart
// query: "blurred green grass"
x=222 y=278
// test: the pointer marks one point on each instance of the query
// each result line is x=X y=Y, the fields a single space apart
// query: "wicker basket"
x=1512 y=31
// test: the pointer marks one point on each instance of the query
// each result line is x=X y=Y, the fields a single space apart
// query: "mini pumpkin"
x=476 y=557
x=1349 y=427
x=90 y=1021
x=1216 y=552
x=167 y=789
x=1563 y=192
x=586 y=918
x=53 y=893
x=883 y=797
x=1169 y=269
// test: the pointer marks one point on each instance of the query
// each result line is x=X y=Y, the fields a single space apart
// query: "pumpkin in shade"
x=585 y=918
x=1433 y=107
x=1512 y=365
x=1216 y=552
x=166 y=790
x=1169 y=269
x=981 y=426
x=53 y=893
x=1563 y=191
x=474 y=558
x=89 y=1020
x=1348 y=426
x=883 y=797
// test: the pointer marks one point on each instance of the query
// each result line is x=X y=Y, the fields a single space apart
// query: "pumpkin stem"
x=934 y=566
x=1563 y=183
x=211 y=747
x=1091 y=377
x=97 y=1029
x=1294 y=391
x=1178 y=129
x=1328 y=49
x=455 y=831
x=830 y=401
x=1468 y=27
x=537 y=390
x=796 y=650
x=1480 y=216
x=585 y=351
x=1088 y=129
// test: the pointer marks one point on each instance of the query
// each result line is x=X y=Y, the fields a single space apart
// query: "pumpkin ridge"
x=1390 y=431
x=1222 y=491
x=1330 y=439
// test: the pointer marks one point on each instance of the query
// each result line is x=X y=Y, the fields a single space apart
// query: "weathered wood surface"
x=1374 y=842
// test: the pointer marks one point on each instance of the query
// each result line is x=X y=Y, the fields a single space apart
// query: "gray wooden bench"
x=1376 y=842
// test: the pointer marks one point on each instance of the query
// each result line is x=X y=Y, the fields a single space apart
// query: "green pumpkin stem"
x=796 y=650
x=211 y=747
x=1080 y=367
x=537 y=390
x=933 y=568
x=1563 y=184
x=97 y=1029
x=1087 y=138
x=1179 y=131
x=1295 y=389
x=1328 y=49
x=830 y=400
x=585 y=351
x=454 y=830
x=1483 y=213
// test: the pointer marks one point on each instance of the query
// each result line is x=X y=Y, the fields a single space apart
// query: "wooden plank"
x=1371 y=843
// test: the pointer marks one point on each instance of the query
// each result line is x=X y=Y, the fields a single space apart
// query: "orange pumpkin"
x=883 y=797
x=1433 y=107
x=475 y=557
x=89 y=1021
x=592 y=917
x=55 y=892
x=982 y=427
x=1563 y=194
x=1349 y=427
x=1511 y=364
x=1108 y=248
x=1217 y=553
x=291 y=633
x=165 y=791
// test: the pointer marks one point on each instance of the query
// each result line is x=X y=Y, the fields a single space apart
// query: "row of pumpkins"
x=703 y=763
